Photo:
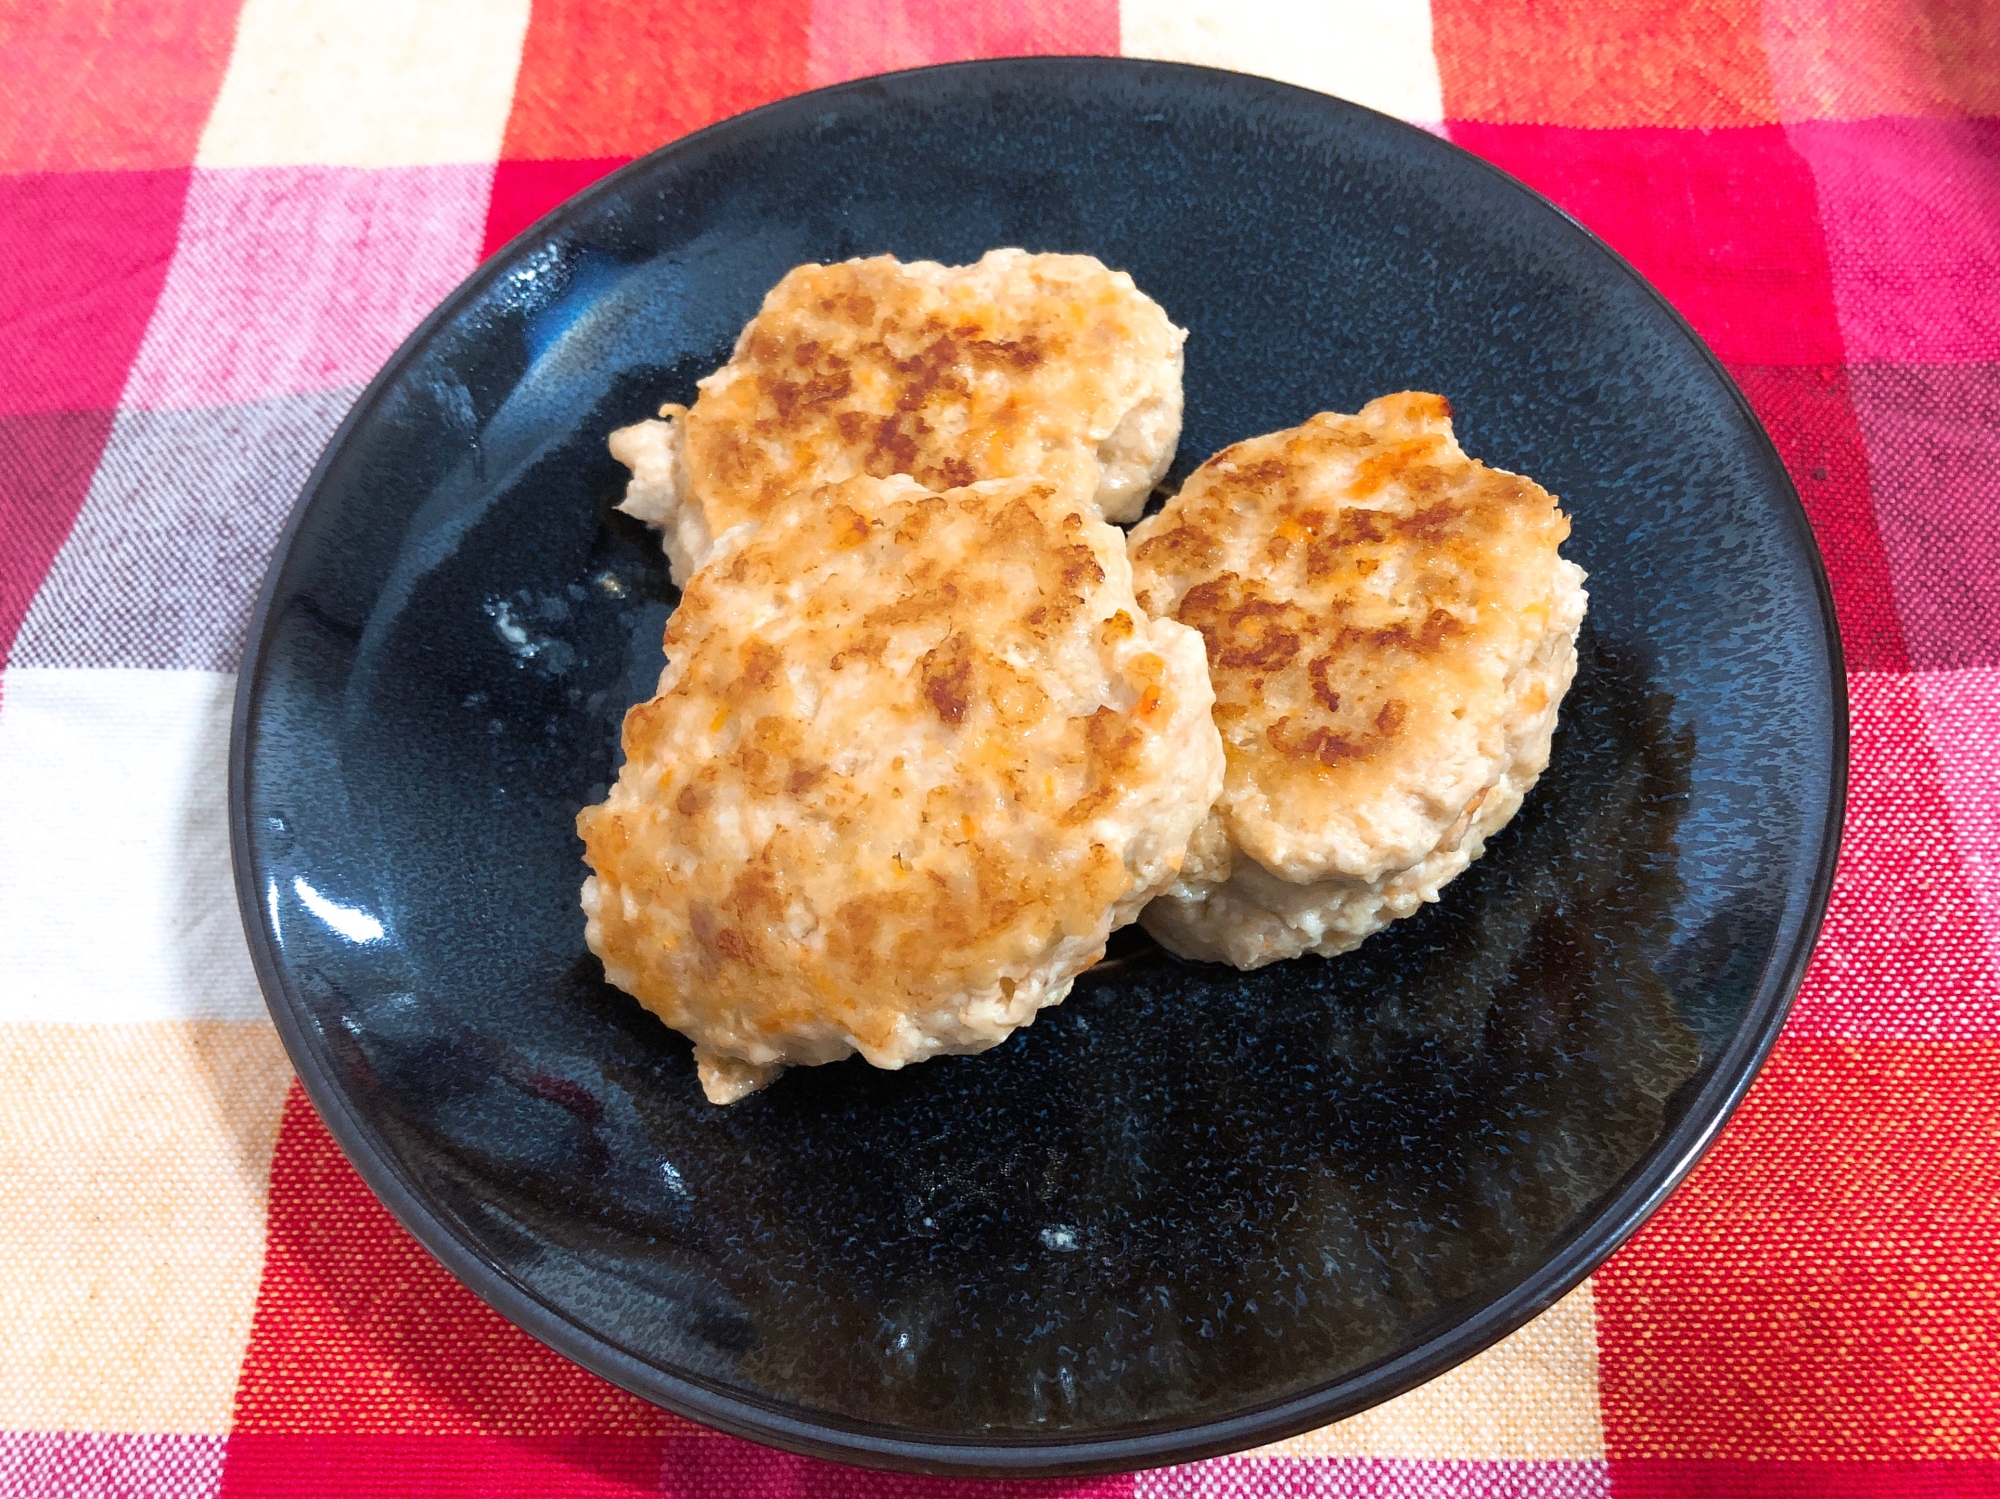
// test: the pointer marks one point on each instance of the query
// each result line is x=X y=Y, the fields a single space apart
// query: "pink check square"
x=291 y=280
x=1906 y=952
x=1961 y=709
x=1912 y=215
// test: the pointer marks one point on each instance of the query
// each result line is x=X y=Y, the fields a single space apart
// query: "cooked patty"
x=913 y=757
x=949 y=374
x=1389 y=632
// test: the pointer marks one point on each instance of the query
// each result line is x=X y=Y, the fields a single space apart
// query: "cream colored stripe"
x=116 y=899
x=366 y=83
x=1530 y=1397
x=136 y=1161
x=1373 y=52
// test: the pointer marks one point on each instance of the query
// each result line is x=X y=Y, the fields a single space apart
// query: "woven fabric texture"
x=218 y=217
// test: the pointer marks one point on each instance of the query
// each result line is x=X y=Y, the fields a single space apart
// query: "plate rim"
x=447 y=1239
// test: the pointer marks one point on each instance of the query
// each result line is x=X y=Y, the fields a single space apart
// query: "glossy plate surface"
x=1190 y=1209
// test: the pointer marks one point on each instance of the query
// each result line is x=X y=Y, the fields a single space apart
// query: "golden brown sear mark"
x=879 y=368
x=1389 y=628
x=855 y=807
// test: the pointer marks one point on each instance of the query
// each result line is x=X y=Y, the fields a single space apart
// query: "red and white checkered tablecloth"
x=218 y=217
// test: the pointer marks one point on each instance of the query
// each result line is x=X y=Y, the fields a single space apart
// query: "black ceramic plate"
x=1190 y=1209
